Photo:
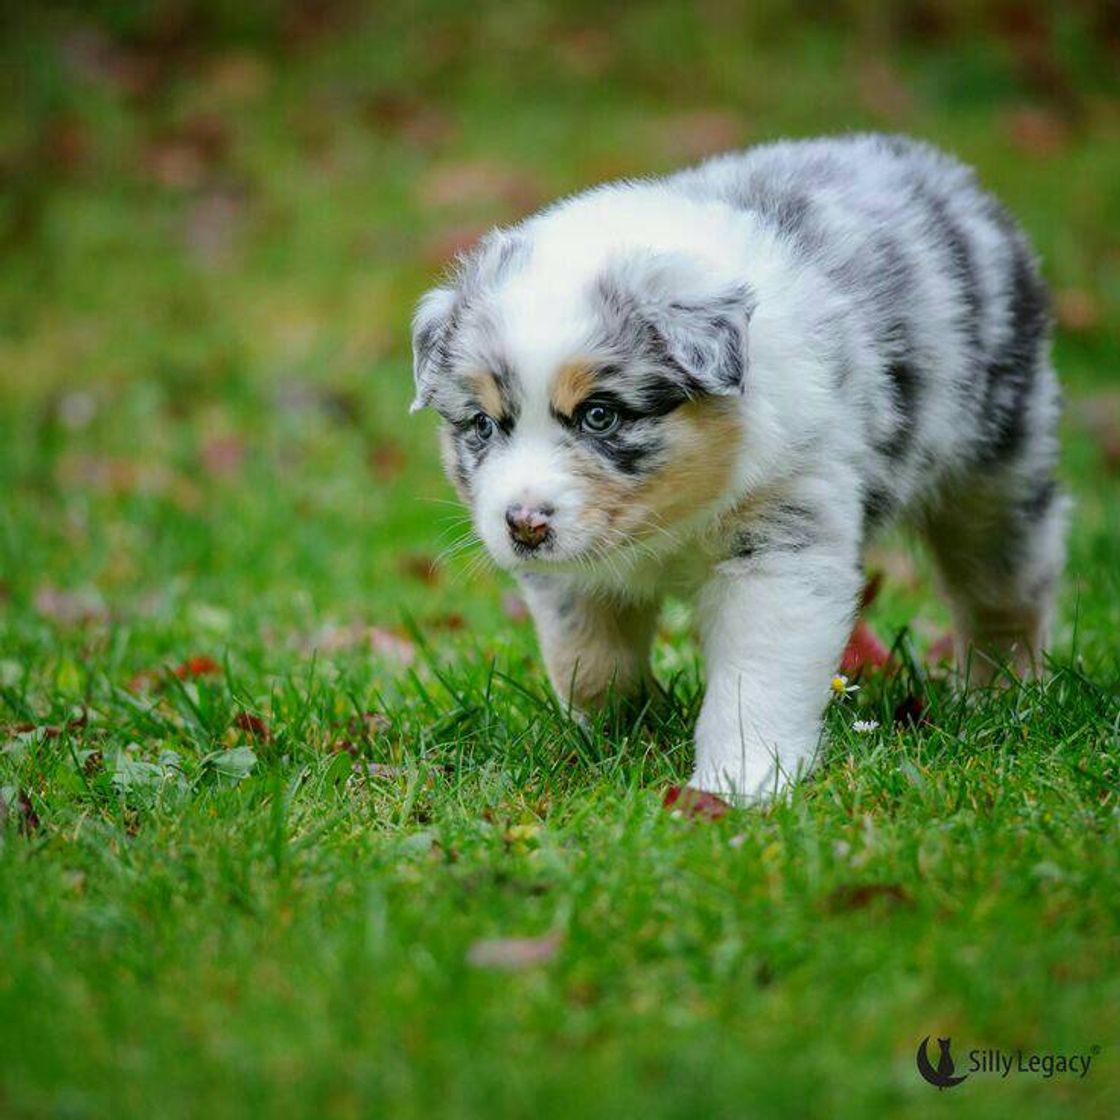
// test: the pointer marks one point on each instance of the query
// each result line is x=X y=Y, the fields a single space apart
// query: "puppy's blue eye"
x=598 y=420
x=484 y=426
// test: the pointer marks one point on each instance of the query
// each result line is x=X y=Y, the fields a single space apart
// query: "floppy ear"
x=684 y=318
x=431 y=326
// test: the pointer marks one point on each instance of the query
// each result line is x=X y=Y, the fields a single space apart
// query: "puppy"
x=721 y=384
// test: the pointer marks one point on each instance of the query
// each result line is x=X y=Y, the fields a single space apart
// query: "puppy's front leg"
x=592 y=646
x=774 y=623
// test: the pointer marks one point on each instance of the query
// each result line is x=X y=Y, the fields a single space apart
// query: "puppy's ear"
x=670 y=307
x=431 y=326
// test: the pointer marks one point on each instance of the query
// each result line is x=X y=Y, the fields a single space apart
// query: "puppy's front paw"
x=745 y=779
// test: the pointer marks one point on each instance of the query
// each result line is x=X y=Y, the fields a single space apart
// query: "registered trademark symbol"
x=1094 y=1049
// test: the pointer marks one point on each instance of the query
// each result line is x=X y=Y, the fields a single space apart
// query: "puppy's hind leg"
x=999 y=546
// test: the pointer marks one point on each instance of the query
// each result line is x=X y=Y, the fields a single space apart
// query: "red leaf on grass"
x=696 y=804
x=911 y=712
x=198 y=666
x=253 y=725
x=864 y=651
x=511 y=954
x=871 y=589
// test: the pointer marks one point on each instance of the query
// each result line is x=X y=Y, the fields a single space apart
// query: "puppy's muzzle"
x=529 y=527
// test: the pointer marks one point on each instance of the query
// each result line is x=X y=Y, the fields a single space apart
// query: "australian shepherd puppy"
x=721 y=384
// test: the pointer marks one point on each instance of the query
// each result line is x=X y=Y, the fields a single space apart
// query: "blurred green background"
x=216 y=217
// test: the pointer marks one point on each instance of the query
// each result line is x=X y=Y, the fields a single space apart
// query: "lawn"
x=290 y=822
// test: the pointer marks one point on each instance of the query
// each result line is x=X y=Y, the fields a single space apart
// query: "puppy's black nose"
x=529 y=526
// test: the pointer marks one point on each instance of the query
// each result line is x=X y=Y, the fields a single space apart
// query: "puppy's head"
x=590 y=406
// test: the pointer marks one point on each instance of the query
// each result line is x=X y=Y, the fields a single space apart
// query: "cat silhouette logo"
x=940 y=1075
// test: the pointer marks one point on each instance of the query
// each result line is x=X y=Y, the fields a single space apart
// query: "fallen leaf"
x=452 y=622
x=858 y=896
x=252 y=725
x=696 y=804
x=511 y=954
x=420 y=567
x=871 y=589
x=911 y=712
x=198 y=666
x=864 y=651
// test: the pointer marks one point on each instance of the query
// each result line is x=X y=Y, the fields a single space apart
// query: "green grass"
x=205 y=453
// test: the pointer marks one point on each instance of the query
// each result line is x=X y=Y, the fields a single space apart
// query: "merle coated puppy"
x=721 y=384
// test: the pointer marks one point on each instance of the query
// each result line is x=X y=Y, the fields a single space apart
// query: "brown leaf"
x=696 y=804
x=512 y=954
x=253 y=725
x=911 y=712
x=420 y=567
x=858 y=896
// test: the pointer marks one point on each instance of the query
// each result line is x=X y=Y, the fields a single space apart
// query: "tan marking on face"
x=571 y=386
x=489 y=395
x=702 y=440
